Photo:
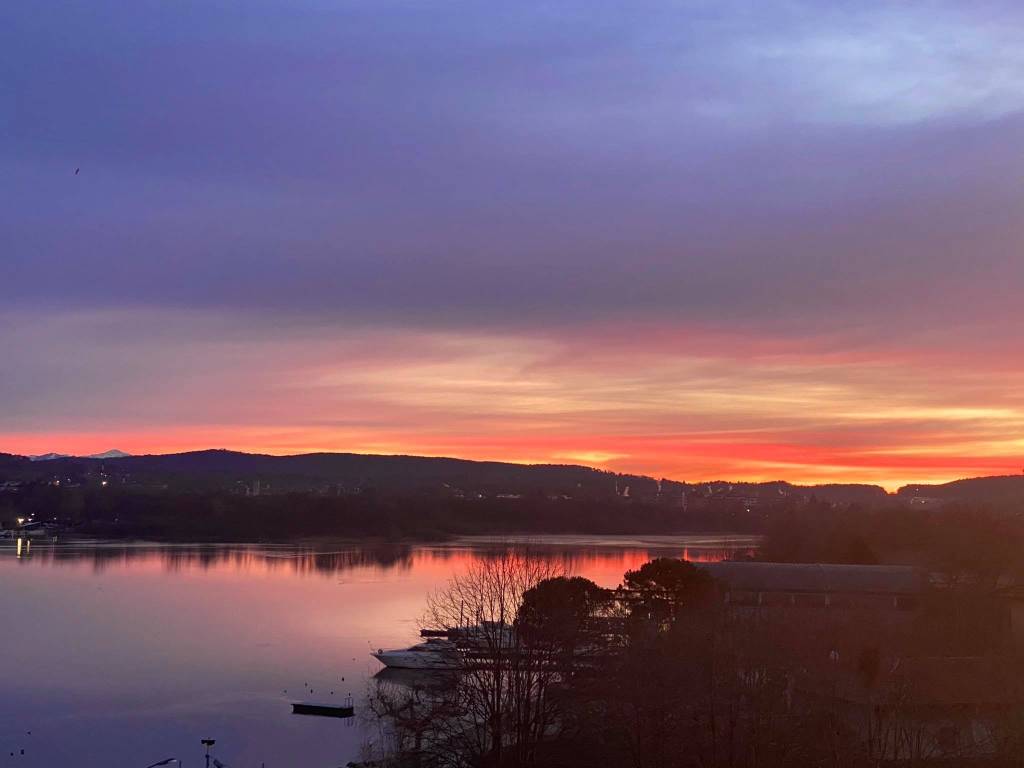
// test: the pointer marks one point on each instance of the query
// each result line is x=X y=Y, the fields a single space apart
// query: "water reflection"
x=576 y=554
x=124 y=653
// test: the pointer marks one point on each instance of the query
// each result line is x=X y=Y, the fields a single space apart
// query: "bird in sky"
x=77 y=170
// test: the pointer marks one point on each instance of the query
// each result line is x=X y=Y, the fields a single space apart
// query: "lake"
x=124 y=654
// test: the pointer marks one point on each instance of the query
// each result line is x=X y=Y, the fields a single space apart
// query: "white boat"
x=433 y=654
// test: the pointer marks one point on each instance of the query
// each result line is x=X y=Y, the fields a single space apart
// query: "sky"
x=698 y=240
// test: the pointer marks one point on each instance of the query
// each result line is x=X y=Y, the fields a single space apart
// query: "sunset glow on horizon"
x=805 y=418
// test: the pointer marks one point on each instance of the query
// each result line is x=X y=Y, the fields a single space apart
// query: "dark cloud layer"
x=458 y=162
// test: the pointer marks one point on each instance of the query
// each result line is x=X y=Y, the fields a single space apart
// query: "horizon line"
x=525 y=463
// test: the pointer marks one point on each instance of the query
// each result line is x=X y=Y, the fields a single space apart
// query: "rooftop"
x=817 y=577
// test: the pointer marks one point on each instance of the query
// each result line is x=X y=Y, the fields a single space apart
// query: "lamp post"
x=207 y=743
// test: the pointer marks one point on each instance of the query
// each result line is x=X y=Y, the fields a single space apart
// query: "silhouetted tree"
x=663 y=588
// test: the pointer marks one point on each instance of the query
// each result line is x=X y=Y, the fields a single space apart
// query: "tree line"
x=209 y=515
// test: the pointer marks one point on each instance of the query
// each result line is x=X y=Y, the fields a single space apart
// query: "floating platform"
x=323 y=710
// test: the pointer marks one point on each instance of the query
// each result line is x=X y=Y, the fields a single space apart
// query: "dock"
x=323 y=710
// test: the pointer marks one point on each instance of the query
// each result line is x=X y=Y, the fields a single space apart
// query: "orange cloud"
x=669 y=403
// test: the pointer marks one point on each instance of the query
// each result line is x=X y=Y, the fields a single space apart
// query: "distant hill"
x=776 y=490
x=1001 y=488
x=849 y=493
x=229 y=495
x=10 y=462
x=344 y=472
x=221 y=468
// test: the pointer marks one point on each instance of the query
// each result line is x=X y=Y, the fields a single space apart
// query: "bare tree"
x=496 y=707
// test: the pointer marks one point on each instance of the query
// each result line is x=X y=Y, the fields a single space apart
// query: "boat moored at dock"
x=435 y=653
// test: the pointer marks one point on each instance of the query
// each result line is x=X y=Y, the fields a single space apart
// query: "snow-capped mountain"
x=113 y=453
x=49 y=456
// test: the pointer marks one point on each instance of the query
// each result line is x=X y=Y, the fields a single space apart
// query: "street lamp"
x=207 y=743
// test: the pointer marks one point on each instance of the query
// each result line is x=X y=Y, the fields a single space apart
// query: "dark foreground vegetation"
x=748 y=665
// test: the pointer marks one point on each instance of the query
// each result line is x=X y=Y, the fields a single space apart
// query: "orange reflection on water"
x=603 y=560
x=167 y=634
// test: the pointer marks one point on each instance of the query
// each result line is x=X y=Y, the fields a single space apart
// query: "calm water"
x=122 y=655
